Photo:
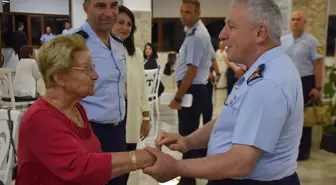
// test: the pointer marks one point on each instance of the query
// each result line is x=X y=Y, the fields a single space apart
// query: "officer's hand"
x=175 y=105
x=315 y=94
x=173 y=141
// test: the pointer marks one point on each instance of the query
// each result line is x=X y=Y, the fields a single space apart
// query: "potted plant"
x=328 y=142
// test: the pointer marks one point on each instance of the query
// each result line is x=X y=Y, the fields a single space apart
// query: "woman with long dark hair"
x=150 y=55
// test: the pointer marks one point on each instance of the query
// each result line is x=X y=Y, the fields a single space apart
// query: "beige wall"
x=143 y=21
x=317 y=14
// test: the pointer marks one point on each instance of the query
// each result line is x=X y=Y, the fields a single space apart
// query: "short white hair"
x=264 y=12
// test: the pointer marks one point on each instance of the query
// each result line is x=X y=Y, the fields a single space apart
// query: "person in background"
x=307 y=55
x=19 y=38
x=106 y=108
x=47 y=36
x=137 y=107
x=56 y=143
x=233 y=74
x=207 y=113
x=67 y=28
x=191 y=76
x=27 y=74
x=214 y=76
x=221 y=56
x=150 y=55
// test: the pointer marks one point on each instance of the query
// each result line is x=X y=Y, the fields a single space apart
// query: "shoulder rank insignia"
x=192 y=32
x=256 y=74
x=82 y=33
x=320 y=50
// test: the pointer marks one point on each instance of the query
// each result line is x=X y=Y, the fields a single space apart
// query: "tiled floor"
x=319 y=170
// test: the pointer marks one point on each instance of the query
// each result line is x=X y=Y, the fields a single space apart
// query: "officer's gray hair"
x=264 y=12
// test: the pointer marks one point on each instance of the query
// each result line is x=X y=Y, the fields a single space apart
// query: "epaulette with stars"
x=257 y=74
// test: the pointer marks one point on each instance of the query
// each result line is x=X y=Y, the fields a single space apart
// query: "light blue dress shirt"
x=303 y=52
x=266 y=113
x=195 y=50
x=45 y=37
x=107 y=105
x=69 y=31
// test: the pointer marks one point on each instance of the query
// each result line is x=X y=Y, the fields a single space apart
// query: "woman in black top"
x=150 y=56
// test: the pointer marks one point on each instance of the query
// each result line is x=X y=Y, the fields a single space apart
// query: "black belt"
x=114 y=124
x=290 y=180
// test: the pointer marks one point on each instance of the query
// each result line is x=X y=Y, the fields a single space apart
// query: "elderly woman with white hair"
x=56 y=143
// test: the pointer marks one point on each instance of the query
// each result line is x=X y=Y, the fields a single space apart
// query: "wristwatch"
x=178 y=100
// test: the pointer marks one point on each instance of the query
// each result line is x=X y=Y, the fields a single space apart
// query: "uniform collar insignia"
x=256 y=74
x=192 y=32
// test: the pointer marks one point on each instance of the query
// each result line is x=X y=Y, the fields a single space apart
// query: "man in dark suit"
x=19 y=38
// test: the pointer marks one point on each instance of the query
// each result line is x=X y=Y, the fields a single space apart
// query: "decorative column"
x=143 y=19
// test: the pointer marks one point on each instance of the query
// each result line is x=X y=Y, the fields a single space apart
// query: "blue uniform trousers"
x=112 y=139
x=308 y=83
x=189 y=120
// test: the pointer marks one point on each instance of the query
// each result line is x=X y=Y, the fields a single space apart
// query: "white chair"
x=7 y=93
x=152 y=78
x=9 y=123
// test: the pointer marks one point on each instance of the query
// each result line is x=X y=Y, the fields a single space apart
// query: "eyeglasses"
x=85 y=69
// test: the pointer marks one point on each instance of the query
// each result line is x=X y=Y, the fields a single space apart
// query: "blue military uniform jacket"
x=107 y=105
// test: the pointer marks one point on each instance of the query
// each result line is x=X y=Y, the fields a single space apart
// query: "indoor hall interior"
x=158 y=22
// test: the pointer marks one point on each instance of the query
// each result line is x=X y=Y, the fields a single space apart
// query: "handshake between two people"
x=164 y=167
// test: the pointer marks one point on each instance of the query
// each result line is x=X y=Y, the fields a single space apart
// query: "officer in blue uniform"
x=192 y=72
x=255 y=139
x=106 y=108
x=307 y=55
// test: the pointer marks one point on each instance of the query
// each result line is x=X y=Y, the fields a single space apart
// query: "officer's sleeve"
x=261 y=116
x=195 y=50
x=316 y=50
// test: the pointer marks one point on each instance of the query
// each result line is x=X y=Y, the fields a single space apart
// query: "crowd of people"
x=85 y=126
